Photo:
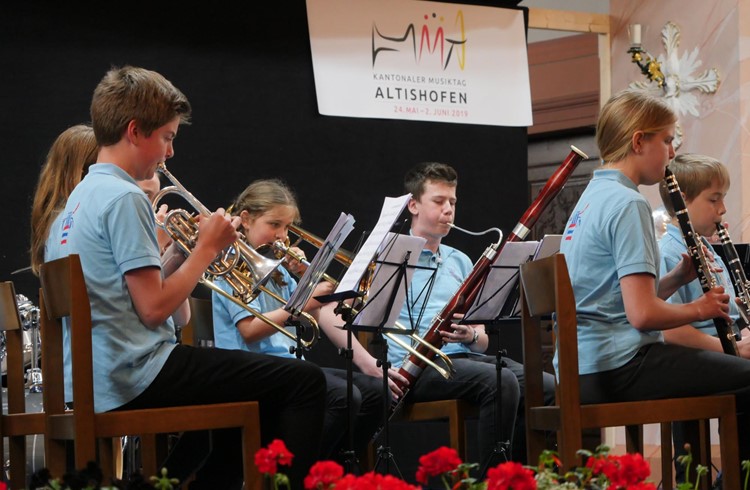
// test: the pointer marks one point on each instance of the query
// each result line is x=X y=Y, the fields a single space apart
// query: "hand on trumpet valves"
x=217 y=231
x=293 y=265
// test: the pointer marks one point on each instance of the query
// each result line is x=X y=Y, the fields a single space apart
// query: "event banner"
x=420 y=60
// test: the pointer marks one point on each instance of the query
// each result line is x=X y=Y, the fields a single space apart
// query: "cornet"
x=244 y=269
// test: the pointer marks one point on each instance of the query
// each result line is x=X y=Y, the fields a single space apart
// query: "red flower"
x=323 y=475
x=283 y=455
x=439 y=461
x=267 y=459
x=603 y=465
x=633 y=469
x=507 y=476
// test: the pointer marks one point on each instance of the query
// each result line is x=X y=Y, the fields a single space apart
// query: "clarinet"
x=737 y=271
x=412 y=366
x=702 y=268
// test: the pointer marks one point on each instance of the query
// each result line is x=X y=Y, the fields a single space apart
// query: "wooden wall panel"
x=564 y=76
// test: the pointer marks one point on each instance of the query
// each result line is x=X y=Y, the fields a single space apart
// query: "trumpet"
x=241 y=266
x=281 y=249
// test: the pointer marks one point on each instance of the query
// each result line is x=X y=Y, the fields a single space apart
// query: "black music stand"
x=493 y=308
x=386 y=298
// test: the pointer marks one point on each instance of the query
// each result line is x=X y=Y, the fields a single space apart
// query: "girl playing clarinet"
x=613 y=259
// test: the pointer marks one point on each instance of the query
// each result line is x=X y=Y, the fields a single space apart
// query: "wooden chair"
x=64 y=295
x=16 y=424
x=546 y=289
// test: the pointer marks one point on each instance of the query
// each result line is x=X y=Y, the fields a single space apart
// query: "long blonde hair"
x=68 y=160
x=625 y=113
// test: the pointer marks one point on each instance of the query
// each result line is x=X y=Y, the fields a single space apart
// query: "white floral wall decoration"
x=681 y=78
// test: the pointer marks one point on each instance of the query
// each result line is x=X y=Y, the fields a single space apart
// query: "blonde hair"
x=68 y=160
x=625 y=113
x=263 y=195
x=694 y=173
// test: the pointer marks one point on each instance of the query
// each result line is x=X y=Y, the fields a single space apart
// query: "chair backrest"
x=63 y=294
x=202 y=321
x=546 y=289
x=11 y=326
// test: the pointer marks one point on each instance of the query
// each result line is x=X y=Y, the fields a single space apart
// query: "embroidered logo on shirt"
x=575 y=220
x=67 y=225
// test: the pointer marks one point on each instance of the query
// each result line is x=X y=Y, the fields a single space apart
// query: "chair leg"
x=251 y=445
x=55 y=456
x=730 y=460
x=17 y=455
x=634 y=439
x=106 y=458
x=149 y=456
x=456 y=433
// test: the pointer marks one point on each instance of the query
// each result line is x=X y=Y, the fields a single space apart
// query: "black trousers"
x=672 y=371
x=292 y=400
x=367 y=409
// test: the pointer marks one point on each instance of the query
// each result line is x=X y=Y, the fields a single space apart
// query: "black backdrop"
x=248 y=74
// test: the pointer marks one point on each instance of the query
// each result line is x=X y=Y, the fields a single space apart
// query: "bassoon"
x=700 y=262
x=737 y=272
x=412 y=366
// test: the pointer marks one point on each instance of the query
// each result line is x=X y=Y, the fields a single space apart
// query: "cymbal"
x=23 y=269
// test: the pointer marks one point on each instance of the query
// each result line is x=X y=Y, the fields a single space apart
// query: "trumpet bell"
x=258 y=265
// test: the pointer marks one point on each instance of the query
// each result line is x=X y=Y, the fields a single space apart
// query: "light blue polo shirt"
x=226 y=314
x=109 y=222
x=609 y=235
x=672 y=246
x=427 y=297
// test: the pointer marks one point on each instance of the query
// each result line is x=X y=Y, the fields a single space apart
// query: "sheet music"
x=326 y=253
x=385 y=279
x=501 y=280
x=392 y=209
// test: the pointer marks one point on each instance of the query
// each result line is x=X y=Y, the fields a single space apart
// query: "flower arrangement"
x=602 y=471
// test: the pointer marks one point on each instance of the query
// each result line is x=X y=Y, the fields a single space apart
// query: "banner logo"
x=430 y=41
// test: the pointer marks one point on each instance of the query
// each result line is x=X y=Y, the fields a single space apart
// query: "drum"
x=34 y=443
x=29 y=315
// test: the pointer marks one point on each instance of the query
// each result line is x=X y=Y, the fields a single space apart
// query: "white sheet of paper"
x=385 y=279
x=306 y=285
x=392 y=209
